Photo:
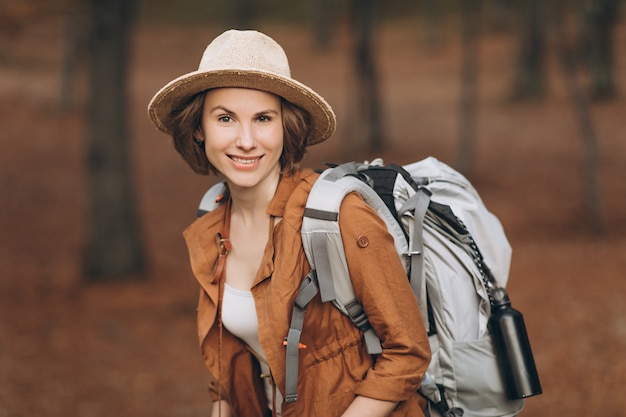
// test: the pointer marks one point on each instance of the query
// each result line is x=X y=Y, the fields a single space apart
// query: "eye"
x=225 y=118
x=264 y=118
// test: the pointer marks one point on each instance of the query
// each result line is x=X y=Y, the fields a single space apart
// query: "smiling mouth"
x=245 y=161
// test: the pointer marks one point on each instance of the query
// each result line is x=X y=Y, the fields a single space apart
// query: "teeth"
x=244 y=161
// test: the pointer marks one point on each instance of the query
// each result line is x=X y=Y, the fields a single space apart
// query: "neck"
x=250 y=204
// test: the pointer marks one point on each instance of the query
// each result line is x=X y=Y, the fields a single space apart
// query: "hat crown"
x=246 y=50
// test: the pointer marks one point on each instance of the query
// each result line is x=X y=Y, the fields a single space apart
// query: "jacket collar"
x=200 y=235
x=284 y=191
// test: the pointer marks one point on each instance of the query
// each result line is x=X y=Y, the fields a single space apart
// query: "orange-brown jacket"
x=334 y=366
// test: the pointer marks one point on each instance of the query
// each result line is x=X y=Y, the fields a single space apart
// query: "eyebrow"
x=227 y=110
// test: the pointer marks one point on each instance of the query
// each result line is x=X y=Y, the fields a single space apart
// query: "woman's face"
x=243 y=134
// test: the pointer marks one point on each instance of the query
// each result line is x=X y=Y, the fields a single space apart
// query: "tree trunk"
x=530 y=74
x=73 y=50
x=114 y=248
x=591 y=188
x=432 y=22
x=469 y=85
x=600 y=18
x=245 y=13
x=502 y=14
x=322 y=12
x=368 y=101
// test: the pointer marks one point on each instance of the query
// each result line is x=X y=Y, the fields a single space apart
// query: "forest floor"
x=69 y=348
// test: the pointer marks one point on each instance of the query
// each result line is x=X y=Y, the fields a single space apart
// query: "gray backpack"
x=438 y=223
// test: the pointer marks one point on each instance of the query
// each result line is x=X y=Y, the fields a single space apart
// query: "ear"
x=198 y=134
x=198 y=138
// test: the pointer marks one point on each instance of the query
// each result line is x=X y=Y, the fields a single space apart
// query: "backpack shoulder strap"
x=324 y=250
x=321 y=214
x=418 y=205
x=323 y=245
x=329 y=275
x=307 y=291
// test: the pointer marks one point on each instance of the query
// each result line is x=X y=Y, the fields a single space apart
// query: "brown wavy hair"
x=187 y=118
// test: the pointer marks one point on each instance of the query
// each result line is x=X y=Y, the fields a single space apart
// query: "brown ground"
x=71 y=349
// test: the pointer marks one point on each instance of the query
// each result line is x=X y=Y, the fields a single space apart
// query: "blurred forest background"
x=526 y=98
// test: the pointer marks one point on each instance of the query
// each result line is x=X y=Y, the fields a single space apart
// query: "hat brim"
x=323 y=122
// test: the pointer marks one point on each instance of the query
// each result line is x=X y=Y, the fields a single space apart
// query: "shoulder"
x=355 y=213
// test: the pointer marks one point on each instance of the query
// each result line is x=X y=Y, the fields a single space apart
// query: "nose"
x=246 y=140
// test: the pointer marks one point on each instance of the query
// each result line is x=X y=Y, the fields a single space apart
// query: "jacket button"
x=362 y=241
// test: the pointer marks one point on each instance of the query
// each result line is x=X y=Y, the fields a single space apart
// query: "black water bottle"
x=513 y=352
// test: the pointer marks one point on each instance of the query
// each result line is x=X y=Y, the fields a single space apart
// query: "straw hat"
x=247 y=59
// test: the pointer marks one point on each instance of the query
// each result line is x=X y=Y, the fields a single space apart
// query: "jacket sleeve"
x=381 y=284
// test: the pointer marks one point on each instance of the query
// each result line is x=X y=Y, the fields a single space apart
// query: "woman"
x=241 y=116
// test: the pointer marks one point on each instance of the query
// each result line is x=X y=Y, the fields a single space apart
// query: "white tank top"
x=239 y=317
